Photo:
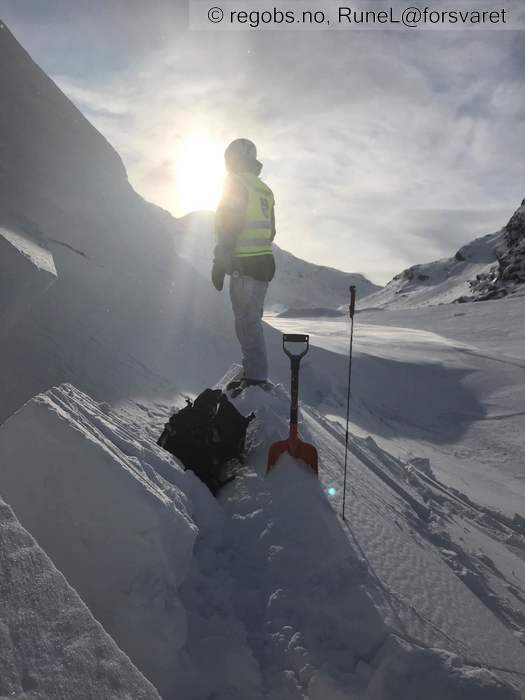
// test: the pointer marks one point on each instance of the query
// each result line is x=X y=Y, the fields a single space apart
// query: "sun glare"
x=199 y=174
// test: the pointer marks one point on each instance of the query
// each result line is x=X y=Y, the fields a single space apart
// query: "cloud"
x=384 y=148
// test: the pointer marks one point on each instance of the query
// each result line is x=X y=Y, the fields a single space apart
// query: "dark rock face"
x=407 y=274
x=508 y=275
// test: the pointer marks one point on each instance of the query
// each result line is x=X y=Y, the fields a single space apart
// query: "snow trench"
x=260 y=594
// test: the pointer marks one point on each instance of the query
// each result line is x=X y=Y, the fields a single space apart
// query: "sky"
x=383 y=148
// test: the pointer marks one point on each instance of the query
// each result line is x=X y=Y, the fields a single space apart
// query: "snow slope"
x=77 y=493
x=50 y=645
x=439 y=282
x=423 y=598
x=446 y=381
x=299 y=283
x=120 y=285
x=120 y=519
x=27 y=269
x=437 y=402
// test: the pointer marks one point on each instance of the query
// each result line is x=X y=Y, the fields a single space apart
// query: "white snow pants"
x=247 y=297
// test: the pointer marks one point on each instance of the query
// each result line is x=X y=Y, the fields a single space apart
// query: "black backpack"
x=205 y=435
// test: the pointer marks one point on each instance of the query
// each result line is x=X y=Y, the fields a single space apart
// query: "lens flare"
x=199 y=174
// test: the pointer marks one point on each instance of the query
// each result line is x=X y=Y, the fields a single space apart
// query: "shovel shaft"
x=294 y=409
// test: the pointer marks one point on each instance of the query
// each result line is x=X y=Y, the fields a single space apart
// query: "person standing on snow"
x=245 y=229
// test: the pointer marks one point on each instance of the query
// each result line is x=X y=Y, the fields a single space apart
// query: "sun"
x=199 y=174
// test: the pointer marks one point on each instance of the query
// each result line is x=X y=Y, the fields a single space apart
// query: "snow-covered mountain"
x=122 y=577
x=300 y=284
x=489 y=267
x=297 y=284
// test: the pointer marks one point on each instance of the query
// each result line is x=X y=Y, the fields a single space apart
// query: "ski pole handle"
x=352 y=301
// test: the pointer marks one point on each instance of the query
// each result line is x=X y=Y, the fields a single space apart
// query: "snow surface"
x=50 y=645
x=27 y=269
x=38 y=255
x=270 y=595
x=117 y=537
x=446 y=382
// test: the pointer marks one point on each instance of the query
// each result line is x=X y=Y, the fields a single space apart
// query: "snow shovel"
x=297 y=448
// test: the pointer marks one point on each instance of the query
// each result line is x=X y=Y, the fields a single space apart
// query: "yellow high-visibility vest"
x=256 y=236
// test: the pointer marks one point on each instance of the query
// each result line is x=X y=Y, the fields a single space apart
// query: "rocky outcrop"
x=508 y=275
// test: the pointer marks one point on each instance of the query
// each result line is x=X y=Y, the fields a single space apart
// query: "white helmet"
x=241 y=149
x=239 y=153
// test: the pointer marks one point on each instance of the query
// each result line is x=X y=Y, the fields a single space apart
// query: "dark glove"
x=223 y=257
x=217 y=275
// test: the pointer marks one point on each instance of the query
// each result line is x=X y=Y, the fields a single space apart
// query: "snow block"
x=89 y=493
x=27 y=269
x=50 y=645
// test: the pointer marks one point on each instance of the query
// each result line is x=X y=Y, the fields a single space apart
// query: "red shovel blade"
x=297 y=449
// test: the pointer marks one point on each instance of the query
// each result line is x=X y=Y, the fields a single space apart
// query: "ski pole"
x=351 y=310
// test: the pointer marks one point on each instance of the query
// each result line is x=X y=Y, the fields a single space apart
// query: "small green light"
x=332 y=491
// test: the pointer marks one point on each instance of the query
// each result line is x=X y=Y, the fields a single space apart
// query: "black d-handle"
x=295 y=338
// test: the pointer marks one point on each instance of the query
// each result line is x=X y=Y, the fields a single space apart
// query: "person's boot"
x=234 y=384
x=245 y=383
